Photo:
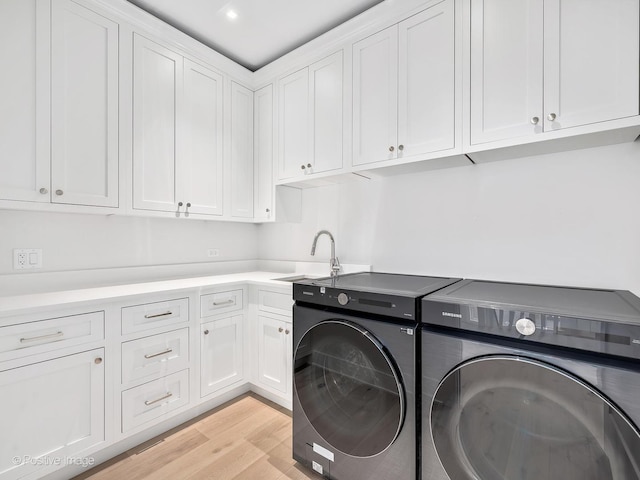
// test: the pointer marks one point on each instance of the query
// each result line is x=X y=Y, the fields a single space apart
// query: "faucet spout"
x=334 y=263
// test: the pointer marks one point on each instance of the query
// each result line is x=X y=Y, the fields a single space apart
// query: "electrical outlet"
x=27 y=258
x=213 y=252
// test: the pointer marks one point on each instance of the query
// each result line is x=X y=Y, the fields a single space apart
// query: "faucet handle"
x=334 y=263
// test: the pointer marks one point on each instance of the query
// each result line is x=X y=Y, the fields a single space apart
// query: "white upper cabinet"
x=311 y=110
x=157 y=85
x=177 y=133
x=591 y=61
x=200 y=166
x=263 y=153
x=84 y=107
x=375 y=97
x=241 y=151
x=24 y=101
x=293 y=124
x=404 y=88
x=538 y=66
x=426 y=86
x=326 y=114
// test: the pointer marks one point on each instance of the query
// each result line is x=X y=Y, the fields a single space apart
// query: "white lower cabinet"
x=151 y=357
x=221 y=353
x=274 y=353
x=50 y=411
x=154 y=399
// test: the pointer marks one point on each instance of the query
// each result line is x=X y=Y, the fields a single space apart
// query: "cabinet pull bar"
x=159 y=314
x=164 y=397
x=226 y=302
x=151 y=355
x=41 y=337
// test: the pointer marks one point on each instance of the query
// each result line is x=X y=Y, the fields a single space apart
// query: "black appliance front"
x=353 y=396
x=514 y=392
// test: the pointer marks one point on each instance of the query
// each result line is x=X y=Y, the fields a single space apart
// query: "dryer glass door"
x=349 y=388
x=508 y=418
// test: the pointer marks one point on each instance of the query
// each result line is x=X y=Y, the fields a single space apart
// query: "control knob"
x=525 y=326
x=343 y=299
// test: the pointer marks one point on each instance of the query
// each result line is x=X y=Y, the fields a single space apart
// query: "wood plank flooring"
x=248 y=438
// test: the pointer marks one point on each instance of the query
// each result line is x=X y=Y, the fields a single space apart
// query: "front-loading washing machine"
x=530 y=382
x=354 y=389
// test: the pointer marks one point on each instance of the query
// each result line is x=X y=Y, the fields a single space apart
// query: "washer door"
x=511 y=418
x=349 y=389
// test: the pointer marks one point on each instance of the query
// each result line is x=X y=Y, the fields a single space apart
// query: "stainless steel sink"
x=294 y=278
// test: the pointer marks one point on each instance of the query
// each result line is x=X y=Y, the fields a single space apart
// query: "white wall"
x=569 y=219
x=74 y=242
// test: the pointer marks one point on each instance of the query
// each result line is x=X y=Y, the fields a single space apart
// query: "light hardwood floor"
x=247 y=438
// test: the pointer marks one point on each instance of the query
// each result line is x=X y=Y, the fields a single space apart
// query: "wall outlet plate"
x=27 y=258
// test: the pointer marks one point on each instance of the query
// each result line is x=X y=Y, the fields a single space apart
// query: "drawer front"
x=154 y=315
x=275 y=302
x=156 y=356
x=47 y=335
x=154 y=399
x=220 y=302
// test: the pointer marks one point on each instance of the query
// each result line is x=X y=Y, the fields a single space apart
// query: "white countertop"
x=20 y=301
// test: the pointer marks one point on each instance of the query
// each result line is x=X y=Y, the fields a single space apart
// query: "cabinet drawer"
x=47 y=335
x=275 y=302
x=153 y=315
x=154 y=399
x=220 y=302
x=156 y=356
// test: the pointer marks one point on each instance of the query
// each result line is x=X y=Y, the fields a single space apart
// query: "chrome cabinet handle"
x=151 y=355
x=280 y=329
x=44 y=191
x=308 y=165
x=226 y=302
x=206 y=332
x=156 y=315
x=535 y=120
x=41 y=337
x=302 y=167
x=267 y=210
x=98 y=361
x=391 y=148
x=59 y=192
x=286 y=332
x=551 y=117
x=400 y=147
x=180 y=204
x=164 y=397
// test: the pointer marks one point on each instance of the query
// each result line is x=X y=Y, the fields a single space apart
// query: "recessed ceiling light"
x=231 y=14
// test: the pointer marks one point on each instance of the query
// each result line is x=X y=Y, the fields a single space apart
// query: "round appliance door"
x=349 y=388
x=511 y=418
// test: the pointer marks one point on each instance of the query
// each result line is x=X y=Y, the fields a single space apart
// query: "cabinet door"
x=293 y=110
x=375 y=97
x=157 y=85
x=200 y=171
x=51 y=410
x=24 y=100
x=84 y=107
x=326 y=114
x=506 y=69
x=274 y=352
x=220 y=354
x=426 y=90
x=241 y=151
x=263 y=153
x=590 y=61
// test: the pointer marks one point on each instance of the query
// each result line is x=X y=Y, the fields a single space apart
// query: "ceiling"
x=261 y=31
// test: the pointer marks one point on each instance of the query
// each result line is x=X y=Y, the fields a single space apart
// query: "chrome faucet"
x=334 y=263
